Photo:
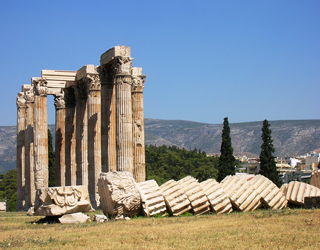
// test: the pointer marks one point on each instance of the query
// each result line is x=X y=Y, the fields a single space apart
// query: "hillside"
x=294 y=137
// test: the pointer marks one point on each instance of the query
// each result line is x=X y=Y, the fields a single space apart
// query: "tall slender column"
x=81 y=92
x=40 y=134
x=21 y=113
x=123 y=83
x=94 y=136
x=30 y=189
x=139 y=170
x=108 y=118
x=60 y=167
x=70 y=137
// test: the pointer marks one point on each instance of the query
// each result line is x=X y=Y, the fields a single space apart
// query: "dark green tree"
x=268 y=166
x=226 y=160
x=51 y=157
x=8 y=188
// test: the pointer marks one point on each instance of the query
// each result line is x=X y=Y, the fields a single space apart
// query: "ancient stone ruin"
x=99 y=126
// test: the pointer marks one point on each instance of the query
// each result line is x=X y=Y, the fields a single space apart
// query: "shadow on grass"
x=48 y=220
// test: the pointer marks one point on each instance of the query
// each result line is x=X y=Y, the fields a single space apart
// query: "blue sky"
x=204 y=60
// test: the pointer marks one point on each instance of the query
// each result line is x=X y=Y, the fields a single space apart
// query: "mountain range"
x=290 y=138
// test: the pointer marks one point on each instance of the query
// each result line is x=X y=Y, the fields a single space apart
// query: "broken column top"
x=120 y=50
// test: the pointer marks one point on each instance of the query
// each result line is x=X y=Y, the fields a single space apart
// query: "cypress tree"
x=268 y=166
x=51 y=156
x=226 y=160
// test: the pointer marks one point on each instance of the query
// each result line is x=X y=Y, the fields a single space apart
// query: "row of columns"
x=99 y=128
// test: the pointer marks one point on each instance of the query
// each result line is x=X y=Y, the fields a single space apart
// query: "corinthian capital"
x=40 y=86
x=93 y=81
x=21 y=101
x=81 y=90
x=122 y=64
x=138 y=83
x=59 y=101
x=123 y=79
x=106 y=74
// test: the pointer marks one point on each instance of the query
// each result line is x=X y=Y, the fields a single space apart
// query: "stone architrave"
x=296 y=191
x=30 y=190
x=138 y=80
x=119 y=195
x=241 y=193
x=123 y=82
x=94 y=135
x=40 y=133
x=217 y=198
x=175 y=198
x=21 y=115
x=70 y=136
x=81 y=92
x=196 y=195
x=151 y=198
x=55 y=201
x=60 y=167
x=271 y=196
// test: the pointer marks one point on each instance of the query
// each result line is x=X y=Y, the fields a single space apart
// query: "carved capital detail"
x=93 y=81
x=122 y=64
x=123 y=79
x=81 y=90
x=40 y=86
x=21 y=101
x=59 y=101
x=29 y=95
x=63 y=198
x=106 y=74
x=138 y=83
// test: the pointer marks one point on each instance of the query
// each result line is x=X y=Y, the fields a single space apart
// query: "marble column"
x=139 y=172
x=60 y=167
x=70 y=137
x=108 y=118
x=41 y=173
x=30 y=189
x=21 y=113
x=94 y=136
x=123 y=82
x=81 y=92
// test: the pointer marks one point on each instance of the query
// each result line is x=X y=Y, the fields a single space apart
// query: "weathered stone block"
x=151 y=198
x=75 y=218
x=3 y=207
x=120 y=50
x=119 y=195
x=54 y=201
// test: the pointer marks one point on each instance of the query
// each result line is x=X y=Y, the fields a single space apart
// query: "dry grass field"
x=262 y=229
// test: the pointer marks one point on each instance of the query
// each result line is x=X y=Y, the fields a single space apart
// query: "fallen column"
x=195 y=194
x=217 y=198
x=176 y=200
x=151 y=198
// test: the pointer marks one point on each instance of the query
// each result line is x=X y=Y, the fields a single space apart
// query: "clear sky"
x=204 y=60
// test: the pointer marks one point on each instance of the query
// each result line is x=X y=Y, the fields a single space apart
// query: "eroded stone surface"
x=195 y=194
x=54 y=201
x=119 y=195
x=151 y=198
x=217 y=198
x=75 y=218
x=175 y=198
x=2 y=207
x=100 y=218
x=295 y=192
x=241 y=193
x=272 y=196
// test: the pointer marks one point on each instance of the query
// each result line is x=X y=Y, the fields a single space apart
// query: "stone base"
x=55 y=201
